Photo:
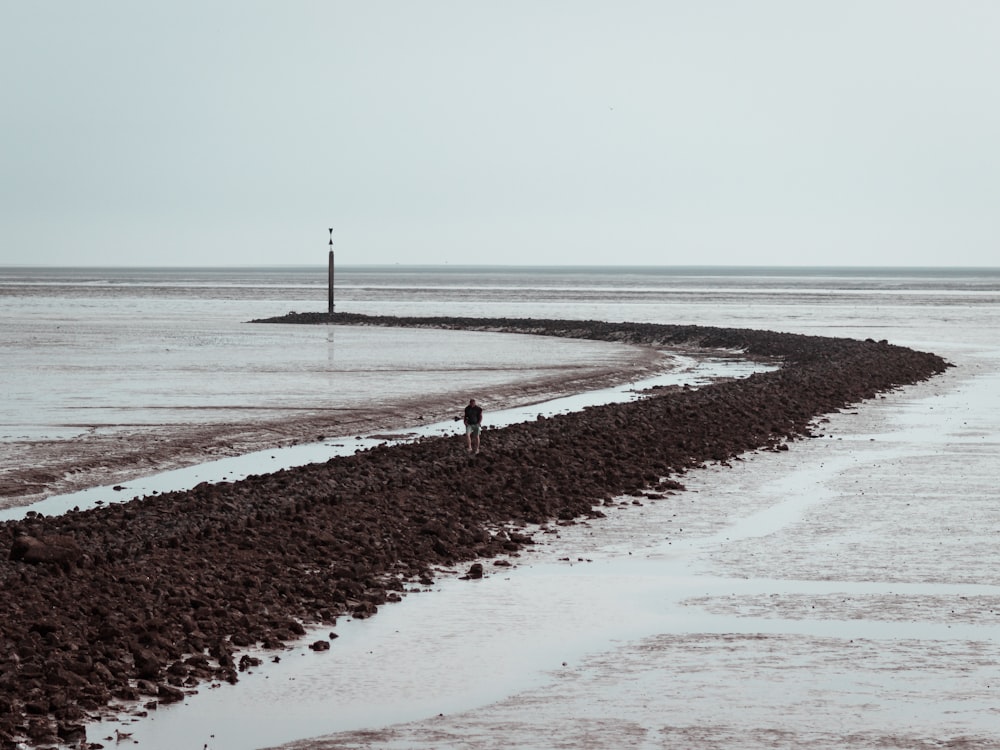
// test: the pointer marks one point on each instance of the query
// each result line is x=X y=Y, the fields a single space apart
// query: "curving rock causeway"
x=141 y=602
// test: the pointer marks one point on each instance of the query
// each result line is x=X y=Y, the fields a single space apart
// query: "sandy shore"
x=161 y=595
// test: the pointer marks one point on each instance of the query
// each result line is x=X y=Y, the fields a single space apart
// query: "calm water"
x=813 y=297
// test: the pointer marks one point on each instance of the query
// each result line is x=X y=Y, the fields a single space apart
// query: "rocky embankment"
x=146 y=600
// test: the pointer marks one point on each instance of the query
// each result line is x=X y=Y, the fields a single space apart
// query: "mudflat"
x=106 y=430
x=156 y=596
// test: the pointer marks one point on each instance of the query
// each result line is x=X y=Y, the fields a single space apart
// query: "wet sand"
x=134 y=437
x=224 y=567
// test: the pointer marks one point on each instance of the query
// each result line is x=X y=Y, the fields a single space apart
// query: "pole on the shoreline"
x=330 y=295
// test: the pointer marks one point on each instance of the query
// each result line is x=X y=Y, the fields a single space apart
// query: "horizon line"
x=537 y=266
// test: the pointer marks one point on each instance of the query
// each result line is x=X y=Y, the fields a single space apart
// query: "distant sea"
x=797 y=297
x=655 y=293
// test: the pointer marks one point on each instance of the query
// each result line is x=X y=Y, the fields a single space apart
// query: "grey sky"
x=727 y=132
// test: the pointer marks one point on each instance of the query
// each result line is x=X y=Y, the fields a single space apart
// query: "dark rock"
x=147 y=665
x=146 y=687
x=127 y=693
x=58 y=549
x=169 y=694
x=71 y=733
x=42 y=730
x=37 y=706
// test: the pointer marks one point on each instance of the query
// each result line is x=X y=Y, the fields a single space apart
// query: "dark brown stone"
x=58 y=549
x=147 y=665
x=169 y=694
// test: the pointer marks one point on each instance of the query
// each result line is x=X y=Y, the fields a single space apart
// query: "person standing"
x=473 y=425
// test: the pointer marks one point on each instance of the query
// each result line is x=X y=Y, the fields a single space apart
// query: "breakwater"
x=143 y=601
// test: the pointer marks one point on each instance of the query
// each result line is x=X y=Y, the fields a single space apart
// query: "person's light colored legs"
x=472 y=440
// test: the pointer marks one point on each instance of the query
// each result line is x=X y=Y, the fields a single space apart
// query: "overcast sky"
x=750 y=132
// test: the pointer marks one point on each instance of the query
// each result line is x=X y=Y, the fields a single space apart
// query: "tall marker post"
x=330 y=295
